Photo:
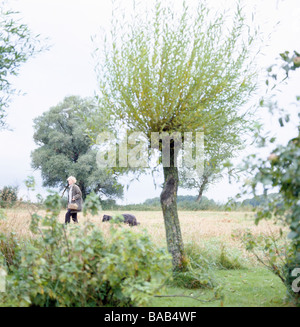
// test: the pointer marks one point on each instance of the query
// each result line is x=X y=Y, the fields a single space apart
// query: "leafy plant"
x=272 y=251
x=280 y=171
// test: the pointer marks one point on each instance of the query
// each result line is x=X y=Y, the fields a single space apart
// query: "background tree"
x=219 y=148
x=17 y=45
x=170 y=72
x=64 y=149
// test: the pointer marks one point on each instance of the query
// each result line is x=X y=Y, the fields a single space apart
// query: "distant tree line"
x=189 y=203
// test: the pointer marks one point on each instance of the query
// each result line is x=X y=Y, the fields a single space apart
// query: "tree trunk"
x=201 y=190
x=199 y=197
x=168 y=199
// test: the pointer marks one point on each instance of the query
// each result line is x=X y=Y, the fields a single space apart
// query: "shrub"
x=8 y=196
x=71 y=265
x=272 y=251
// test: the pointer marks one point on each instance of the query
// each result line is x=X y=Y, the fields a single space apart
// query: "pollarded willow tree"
x=168 y=70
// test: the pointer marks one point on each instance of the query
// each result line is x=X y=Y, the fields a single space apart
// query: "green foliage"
x=92 y=204
x=30 y=183
x=108 y=204
x=175 y=72
x=64 y=202
x=291 y=62
x=281 y=171
x=17 y=45
x=258 y=200
x=66 y=150
x=186 y=202
x=275 y=252
x=117 y=219
x=76 y=266
x=204 y=204
x=53 y=204
x=8 y=196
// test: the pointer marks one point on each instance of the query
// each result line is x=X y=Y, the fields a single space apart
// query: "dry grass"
x=197 y=227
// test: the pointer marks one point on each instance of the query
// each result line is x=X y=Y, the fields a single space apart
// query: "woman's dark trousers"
x=70 y=214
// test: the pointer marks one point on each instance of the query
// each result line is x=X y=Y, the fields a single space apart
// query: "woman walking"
x=74 y=200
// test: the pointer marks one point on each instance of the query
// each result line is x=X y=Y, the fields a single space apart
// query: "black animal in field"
x=127 y=219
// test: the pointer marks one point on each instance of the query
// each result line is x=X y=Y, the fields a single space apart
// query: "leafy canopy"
x=177 y=72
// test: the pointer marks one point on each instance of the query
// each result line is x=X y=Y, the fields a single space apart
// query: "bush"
x=70 y=265
x=272 y=251
x=8 y=196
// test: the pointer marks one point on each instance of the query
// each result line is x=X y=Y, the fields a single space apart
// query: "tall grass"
x=209 y=232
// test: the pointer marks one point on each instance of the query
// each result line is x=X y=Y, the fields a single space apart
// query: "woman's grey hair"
x=72 y=178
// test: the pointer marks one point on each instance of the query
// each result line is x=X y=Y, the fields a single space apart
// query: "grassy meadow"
x=246 y=283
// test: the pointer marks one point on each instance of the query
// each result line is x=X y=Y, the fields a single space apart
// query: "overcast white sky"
x=68 y=69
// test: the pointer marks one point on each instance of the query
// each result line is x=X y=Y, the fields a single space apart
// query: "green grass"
x=253 y=287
